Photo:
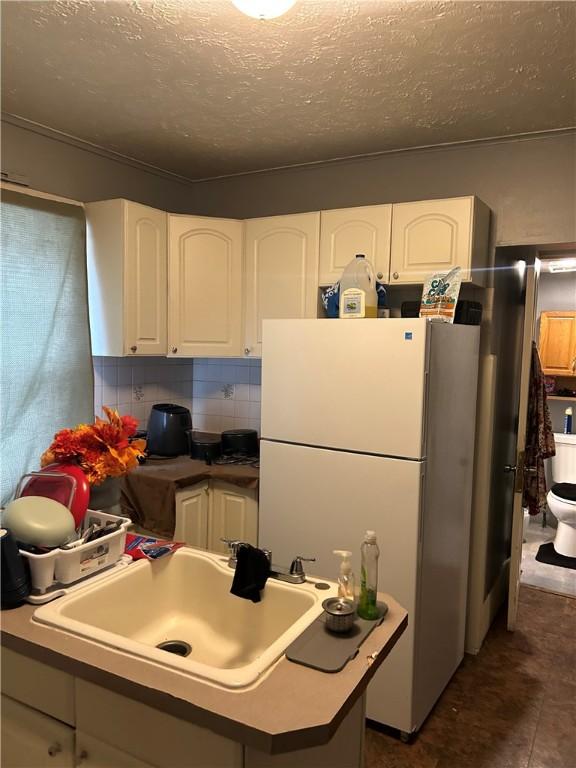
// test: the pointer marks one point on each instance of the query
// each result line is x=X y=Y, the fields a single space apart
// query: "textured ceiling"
x=195 y=87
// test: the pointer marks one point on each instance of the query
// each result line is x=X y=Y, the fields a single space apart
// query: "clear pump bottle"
x=367 y=605
x=346 y=581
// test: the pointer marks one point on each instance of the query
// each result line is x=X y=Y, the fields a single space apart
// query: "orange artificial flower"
x=101 y=450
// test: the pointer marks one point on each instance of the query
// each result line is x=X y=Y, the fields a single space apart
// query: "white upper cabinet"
x=281 y=272
x=437 y=235
x=346 y=232
x=205 y=287
x=127 y=282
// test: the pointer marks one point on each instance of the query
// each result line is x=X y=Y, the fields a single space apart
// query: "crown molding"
x=95 y=149
x=87 y=146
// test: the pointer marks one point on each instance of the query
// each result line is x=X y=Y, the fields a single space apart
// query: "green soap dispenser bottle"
x=346 y=581
x=367 y=604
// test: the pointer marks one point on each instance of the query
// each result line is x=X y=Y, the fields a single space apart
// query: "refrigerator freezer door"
x=355 y=385
x=313 y=501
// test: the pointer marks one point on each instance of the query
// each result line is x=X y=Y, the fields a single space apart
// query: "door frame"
x=541 y=253
x=528 y=336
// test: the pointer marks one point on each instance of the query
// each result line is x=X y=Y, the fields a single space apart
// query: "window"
x=46 y=378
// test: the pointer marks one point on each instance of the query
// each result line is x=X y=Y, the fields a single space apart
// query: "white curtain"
x=46 y=376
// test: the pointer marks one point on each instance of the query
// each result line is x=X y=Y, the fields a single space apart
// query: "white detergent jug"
x=358 y=297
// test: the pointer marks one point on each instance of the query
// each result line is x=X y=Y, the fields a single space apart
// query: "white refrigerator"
x=369 y=424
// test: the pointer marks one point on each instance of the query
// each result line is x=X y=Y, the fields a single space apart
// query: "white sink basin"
x=186 y=597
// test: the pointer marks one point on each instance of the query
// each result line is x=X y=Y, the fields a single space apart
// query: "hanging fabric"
x=46 y=376
x=539 y=439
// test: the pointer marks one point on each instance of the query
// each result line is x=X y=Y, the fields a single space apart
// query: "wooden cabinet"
x=557 y=343
x=31 y=739
x=210 y=511
x=281 y=258
x=205 y=287
x=437 y=235
x=346 y=232
x=127 y=283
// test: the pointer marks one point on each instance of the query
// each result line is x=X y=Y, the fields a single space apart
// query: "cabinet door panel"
x=281 y=272
x=145 y=276
x=33 y=740
x=430 y=236
x=149 y=734
x=192 y=507
x=205 y=316
x=349 y=231
x=233 y=515
x=38 y=685
x=557 y=343
x=94 y=753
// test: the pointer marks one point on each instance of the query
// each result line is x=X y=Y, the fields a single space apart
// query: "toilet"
x=562 y=495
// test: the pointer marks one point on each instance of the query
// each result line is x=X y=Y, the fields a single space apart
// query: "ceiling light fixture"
x=562 y=265
x=263 y=9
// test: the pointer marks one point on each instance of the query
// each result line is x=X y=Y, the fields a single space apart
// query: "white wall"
x=529 y=184
x=53 y=166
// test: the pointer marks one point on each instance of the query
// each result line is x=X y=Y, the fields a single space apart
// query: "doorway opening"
x=555 y=336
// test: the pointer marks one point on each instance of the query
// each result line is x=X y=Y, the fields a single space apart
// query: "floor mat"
x=547 y=554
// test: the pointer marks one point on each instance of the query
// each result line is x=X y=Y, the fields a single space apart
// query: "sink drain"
x=178 y=647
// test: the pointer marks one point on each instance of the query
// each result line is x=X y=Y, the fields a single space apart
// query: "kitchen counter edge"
x=309 y=705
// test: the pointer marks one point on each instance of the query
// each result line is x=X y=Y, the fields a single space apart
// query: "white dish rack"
x=54 y=573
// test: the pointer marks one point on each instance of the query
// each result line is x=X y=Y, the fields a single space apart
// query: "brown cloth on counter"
x=539 y=439
x=149 y=492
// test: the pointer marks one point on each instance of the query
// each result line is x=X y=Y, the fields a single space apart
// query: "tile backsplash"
x=220 y=393
x=134 y=384
x=226 y=394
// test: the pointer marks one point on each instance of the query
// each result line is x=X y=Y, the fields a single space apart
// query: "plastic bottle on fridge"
x=367 y=605
x=358 y=297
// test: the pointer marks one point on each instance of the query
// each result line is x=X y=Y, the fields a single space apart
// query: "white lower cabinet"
x=113 y=731
x=215 y=510
x=233 y=515
x=95 y=753
x=192 y=509
x=31 y=739
x=147 y=735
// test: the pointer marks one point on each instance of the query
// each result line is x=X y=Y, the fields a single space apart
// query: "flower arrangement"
x=101 y=450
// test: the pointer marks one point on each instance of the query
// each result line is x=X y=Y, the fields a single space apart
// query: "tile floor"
x=543 y=575
x=511 y=706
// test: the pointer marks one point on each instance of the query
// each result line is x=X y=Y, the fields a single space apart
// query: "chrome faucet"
x=293 y=575
x=233 y=547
